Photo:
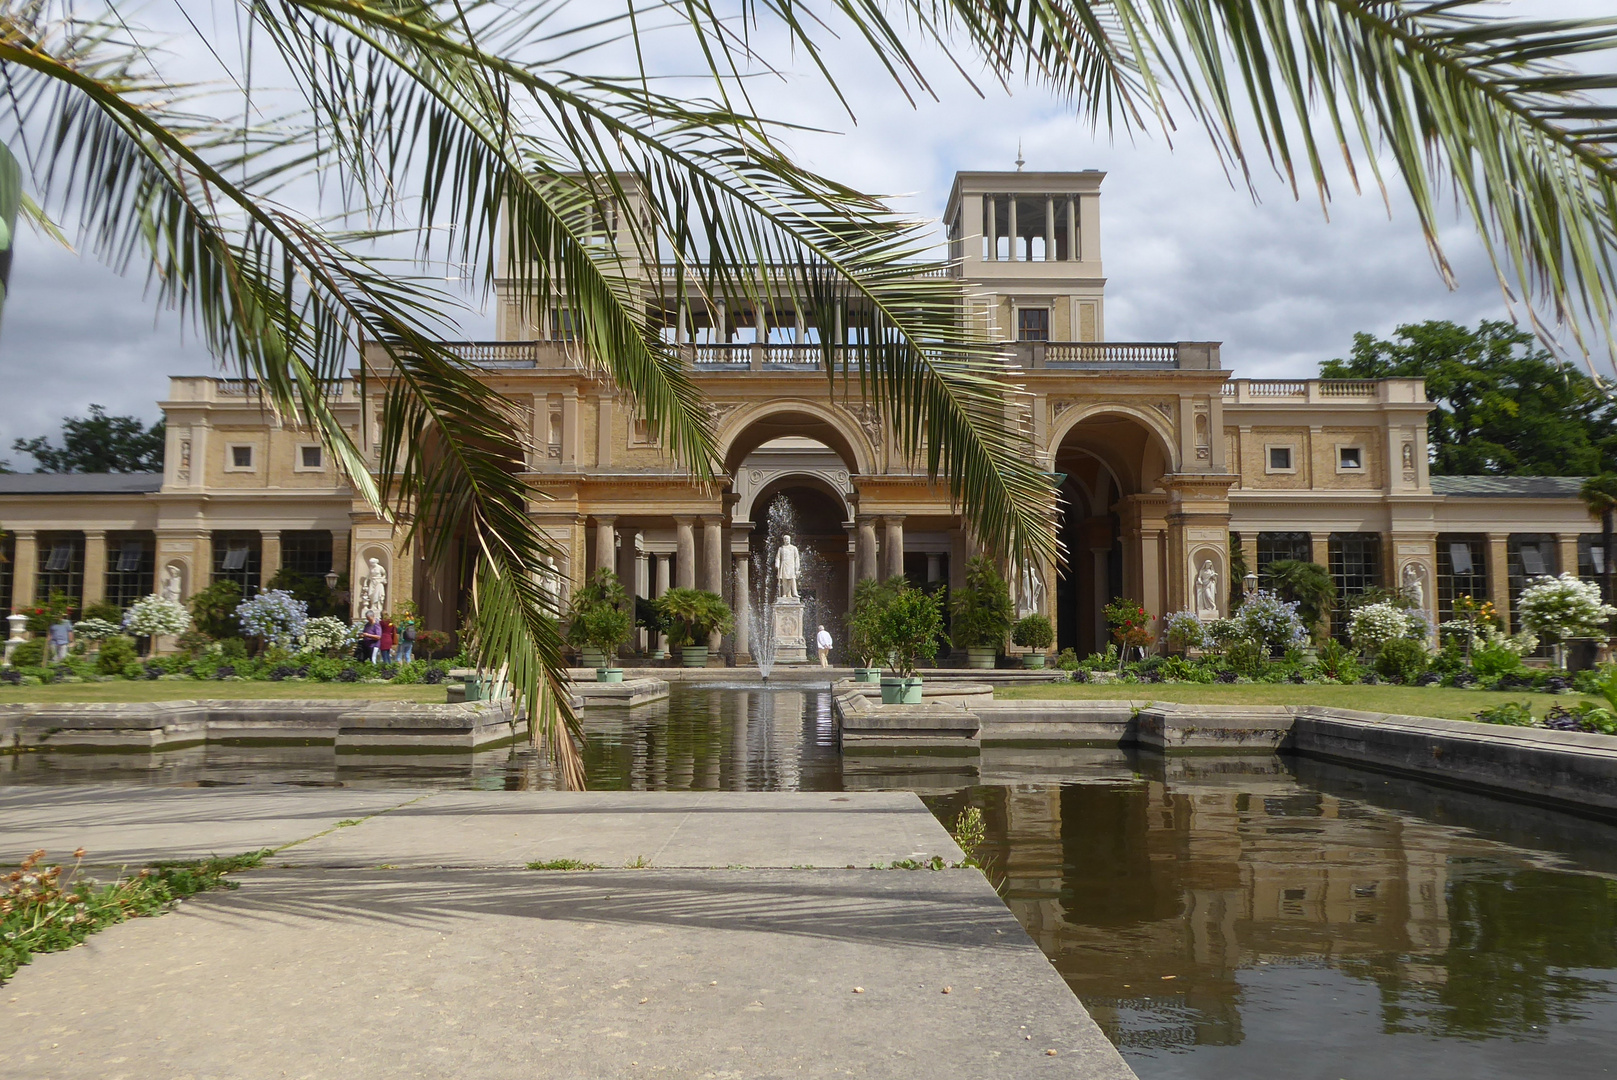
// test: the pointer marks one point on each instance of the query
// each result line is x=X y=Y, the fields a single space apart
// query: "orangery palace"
x=1174 y=470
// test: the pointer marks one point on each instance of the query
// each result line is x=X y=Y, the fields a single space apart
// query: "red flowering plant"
x=41 y=616
x=1131 y=626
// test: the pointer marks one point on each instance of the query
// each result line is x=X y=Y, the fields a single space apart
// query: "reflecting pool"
x=1254 y=917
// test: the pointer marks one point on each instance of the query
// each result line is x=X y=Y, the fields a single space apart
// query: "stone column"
x=742 y=605
x=866 y=544
x=629 y=558
x=893 y=545
x=1072 y=232
x=991 y=225
x=1010 y=227
x=606 y=548
x=713 y=564
x=569 y=426
x=1567 y=552
x=269 y=557
x=1049 y=228
x=852 y=529
x=95 y=566
x=661 y=587
x=1499 y=575
x=24 y=568
x=684 y=553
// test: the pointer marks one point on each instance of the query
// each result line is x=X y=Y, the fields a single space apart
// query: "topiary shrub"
x=1401 y=660
x=116 y=654
x=30 y=653
x=1033 y=632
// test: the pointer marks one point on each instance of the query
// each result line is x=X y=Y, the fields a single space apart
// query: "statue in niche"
x=1207 y=589
x=373 y=590
x=787 y=563
x=1409 y=455
x=1415 y=585
x=1029 y=591
x=171 y=584
x=549 y=582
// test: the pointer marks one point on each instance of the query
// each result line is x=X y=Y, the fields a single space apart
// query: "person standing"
x=388 y=639
x=406 y=645
x=822 y=642
x=59 y=637
x=370 y=638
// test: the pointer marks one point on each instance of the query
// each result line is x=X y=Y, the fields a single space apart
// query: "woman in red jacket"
x=389 y=637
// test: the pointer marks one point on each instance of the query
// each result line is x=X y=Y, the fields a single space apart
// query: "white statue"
x=373 y=591
x=170 y=587
x=1029 y=591
x=1414 y=585
x=787 y=562
x=1207 y=589
x=549 y=579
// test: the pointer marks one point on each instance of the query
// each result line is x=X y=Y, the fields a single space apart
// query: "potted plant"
x=598 y=623
x=865 y=626
x=693 y=615
x=980 y=613
x=1035 y=633
x=911 y=624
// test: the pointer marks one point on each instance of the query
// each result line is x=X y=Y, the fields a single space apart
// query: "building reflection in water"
x=717 y=739
x=1159 y=888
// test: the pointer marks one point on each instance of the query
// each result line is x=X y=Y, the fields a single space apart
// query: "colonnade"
x=1062 y=207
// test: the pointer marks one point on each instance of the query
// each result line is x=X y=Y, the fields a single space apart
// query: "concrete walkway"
x=411 y=942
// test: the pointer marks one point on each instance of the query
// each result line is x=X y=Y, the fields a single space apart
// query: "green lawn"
x=1408 y=700
x=197 y=690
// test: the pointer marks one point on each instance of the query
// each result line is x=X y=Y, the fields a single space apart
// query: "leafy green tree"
x=447 y=119
x=98 y=443
x=1309 y=585
x=1505 y=407
x=213 y=610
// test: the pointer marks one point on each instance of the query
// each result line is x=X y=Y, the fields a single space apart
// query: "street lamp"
x=1249 y=584
x=331 y=580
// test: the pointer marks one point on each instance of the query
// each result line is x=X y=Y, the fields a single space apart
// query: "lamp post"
x=1249 y=584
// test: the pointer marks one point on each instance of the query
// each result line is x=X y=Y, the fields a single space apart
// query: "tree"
x=1310 y=586
x=1506 y=407
x=98 y=443
x=440 y=121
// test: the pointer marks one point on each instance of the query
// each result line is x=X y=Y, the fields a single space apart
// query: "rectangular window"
x=563 y=325
x=239 y=457
x=1462 y=570
x=129 y=573
x=236 y=557
x=1349 y=457
x=8 y=566
x=307 y=553
x=1275 y=546
x=60 y=567
x=1527 y=555
x=309 y=457
x=1280 y=459
x=1033 y=324
x=1356 y=569
x=1591 y=558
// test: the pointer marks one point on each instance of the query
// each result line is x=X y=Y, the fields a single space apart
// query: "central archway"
x=1111 y=461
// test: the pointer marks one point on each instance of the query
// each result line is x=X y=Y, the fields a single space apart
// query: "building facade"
x=1173 y=474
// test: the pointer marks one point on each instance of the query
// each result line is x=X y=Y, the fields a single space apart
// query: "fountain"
x=780 y=567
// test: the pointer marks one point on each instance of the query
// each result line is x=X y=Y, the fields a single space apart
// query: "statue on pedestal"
x=787 y=562
x=1029 y=591
x=1207 y=590
x=373 y=590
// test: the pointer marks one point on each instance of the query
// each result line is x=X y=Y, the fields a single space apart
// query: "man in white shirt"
x=822 y=641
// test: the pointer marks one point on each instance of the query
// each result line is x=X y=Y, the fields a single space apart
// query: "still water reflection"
x=1253 y=917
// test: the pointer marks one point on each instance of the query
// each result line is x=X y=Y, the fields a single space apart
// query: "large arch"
x=749 y=427
x=1111 y=457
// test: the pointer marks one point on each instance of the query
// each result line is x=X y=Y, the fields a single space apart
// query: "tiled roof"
x=79 y=483
x=1509 y=487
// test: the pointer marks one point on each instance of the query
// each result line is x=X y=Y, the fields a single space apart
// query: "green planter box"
x=980 y=656
x=896 y=691
x=588 y=657
x=870 y=675
x=609 y=674
x=693 y=656
x=1033 y=660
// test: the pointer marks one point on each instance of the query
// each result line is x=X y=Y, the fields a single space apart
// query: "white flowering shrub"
x=151 y=616
x=1491 y=637
x=274 y=615
x=96 y=629
x=1271 y=621
x=328 y=636
x=1564 y=607
x=1374 y=625
x=1183 y=630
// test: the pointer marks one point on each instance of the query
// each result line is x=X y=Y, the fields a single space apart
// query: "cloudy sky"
x=1187 y=255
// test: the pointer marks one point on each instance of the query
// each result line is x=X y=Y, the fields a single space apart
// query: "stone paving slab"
x=500 y=973
x=665 y=829
x=128 y=825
